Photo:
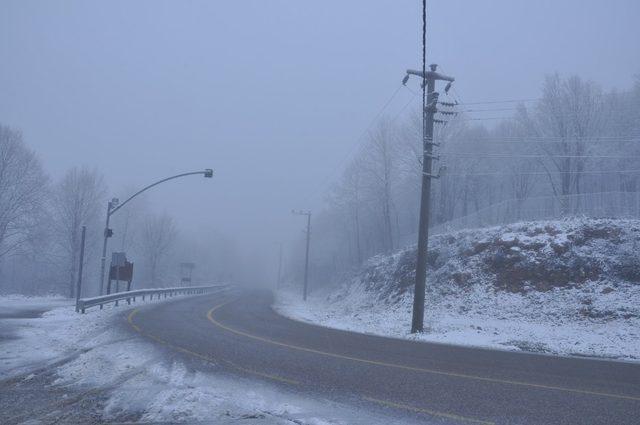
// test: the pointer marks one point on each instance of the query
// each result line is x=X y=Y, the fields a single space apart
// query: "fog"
x=273 y=96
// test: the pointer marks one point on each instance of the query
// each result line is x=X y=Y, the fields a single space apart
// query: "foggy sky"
x=270 y=94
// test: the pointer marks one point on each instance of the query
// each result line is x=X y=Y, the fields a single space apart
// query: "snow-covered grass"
x=562 y=287
x=29 y=341
x=140 y=381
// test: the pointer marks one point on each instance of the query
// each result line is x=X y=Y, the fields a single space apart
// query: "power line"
x=536 y=173
x=631 y=137
x=486 y=118
x=498 y=155
x=551 y=141
x=532 y=99
x=568 y=138
x=486 y=102
x=411 y=100
x=354 y=147
x=488 y=110
x=476 y=111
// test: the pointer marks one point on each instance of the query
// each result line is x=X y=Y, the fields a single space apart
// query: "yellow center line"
x=428 y=411
x=411 y=368
x=203 y=356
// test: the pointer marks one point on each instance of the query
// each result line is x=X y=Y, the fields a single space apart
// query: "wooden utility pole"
x=429 y=79
x=80 y=266
x=306 y=258
x=279 y=268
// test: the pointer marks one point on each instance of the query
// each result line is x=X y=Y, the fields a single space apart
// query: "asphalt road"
x=427 y=381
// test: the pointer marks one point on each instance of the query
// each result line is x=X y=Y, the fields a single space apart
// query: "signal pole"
x=429 y=79
x=114 y=205
x=306 y=258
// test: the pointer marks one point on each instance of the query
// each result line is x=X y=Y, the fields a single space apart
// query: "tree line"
x=40 y=230
x=569 y=152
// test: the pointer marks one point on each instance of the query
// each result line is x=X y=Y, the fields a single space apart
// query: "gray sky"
x=270 y=94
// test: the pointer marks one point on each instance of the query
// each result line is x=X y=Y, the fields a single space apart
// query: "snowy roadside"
x=476 y=318
x=36 y=330
x=140 y=382
x=565 y=287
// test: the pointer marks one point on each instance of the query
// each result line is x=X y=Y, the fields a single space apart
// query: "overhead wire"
x=354 y=147
x=502 y=156
x=544 y=173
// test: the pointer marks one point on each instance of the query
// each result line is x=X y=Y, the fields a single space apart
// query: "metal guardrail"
x=85 y=303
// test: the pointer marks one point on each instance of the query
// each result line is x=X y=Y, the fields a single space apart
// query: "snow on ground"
x=143 y=383
x=34 y=330
x=560 y=287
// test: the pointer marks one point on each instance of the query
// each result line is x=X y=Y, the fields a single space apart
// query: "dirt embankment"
x=537 y=256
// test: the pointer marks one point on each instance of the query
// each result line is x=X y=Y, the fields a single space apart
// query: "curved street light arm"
x=107 y=232
x=207 y=173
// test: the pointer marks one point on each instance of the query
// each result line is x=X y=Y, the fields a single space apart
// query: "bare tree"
x=128 y=221
x=570 y=113
x=379 y=165
x=623 y=121
x=157 y=237
x=23 y=187
x=519 y=171
x=76 y=202
x=346 y=197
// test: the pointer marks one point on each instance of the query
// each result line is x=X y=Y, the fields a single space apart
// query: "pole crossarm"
x=430 y=75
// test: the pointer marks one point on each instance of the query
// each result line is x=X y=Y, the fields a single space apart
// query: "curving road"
x=415 y=380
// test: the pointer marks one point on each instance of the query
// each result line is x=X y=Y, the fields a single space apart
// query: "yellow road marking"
x=266 y=375
x=203 y=356
x=411 y=368
x=428 y=411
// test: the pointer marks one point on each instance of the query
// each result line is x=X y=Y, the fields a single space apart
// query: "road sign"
x=118 y=259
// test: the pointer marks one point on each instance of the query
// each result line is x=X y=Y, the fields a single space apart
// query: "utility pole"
x=279 y=267
x=306 y=258
x=429 y=79
x=79 y=283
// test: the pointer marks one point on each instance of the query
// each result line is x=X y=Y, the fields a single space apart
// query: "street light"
x=114 y=205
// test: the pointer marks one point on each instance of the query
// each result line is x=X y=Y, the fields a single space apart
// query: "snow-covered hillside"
x=565 y=287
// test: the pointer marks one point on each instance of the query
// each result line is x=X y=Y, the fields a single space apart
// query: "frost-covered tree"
x=77 y=200
x=379 y=164
x=23 y=187
x=157 y=238
x=569 y=116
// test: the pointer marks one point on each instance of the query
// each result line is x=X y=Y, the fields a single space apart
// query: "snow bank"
x=567 y=287
x=36 y=330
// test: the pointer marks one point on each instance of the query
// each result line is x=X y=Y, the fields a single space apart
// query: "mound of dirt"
x=538 y=256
